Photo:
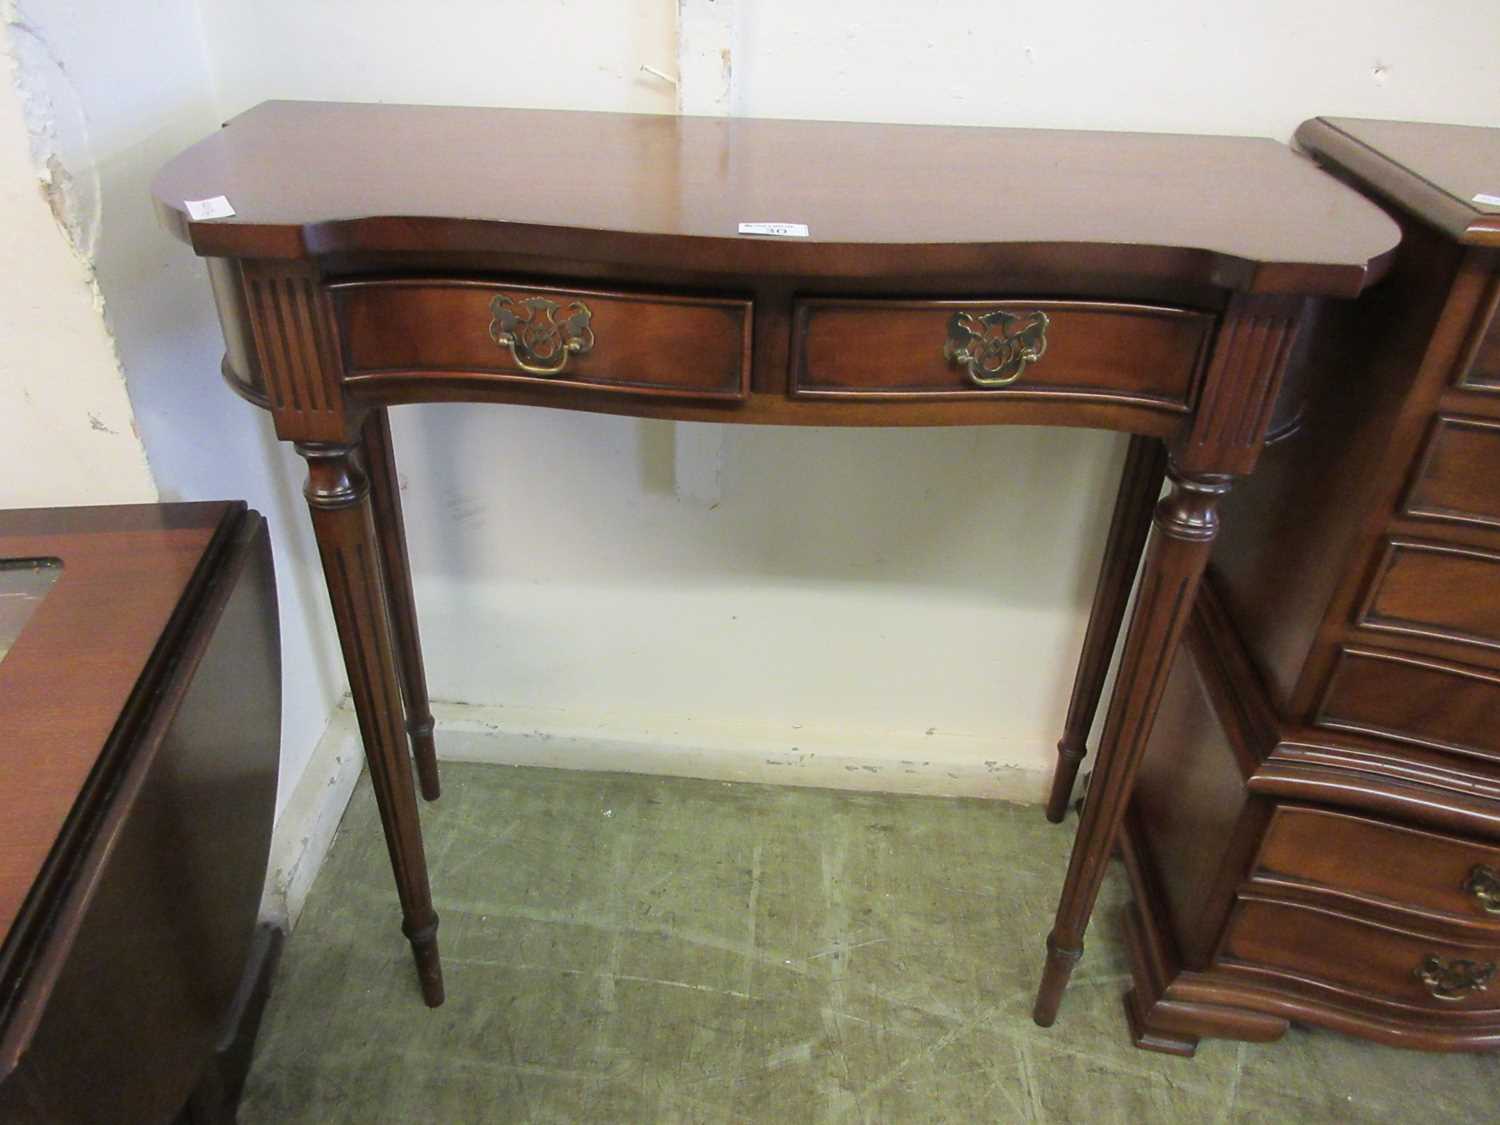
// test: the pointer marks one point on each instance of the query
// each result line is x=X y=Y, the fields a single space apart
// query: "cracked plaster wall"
x=66 y=426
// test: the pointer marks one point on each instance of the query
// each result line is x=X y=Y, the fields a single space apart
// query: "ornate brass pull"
x=540 y=341
x=1453 y=980
x=995 y=347
x=1484 y=884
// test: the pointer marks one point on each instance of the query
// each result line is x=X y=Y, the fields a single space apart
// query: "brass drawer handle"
x=1453 y=980
x=1484 y=884
x=539 y=341
x=995 y=347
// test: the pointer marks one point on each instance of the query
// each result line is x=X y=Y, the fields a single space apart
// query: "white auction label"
x=780 y=230
x=1487 y=199
x=215 y=208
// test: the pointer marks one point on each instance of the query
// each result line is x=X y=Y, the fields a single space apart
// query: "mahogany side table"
x=379 y=255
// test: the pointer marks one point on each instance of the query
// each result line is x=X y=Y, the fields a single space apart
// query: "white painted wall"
x=567 y=54
x=112 y=92
x=1152 y=65
x=792 y=588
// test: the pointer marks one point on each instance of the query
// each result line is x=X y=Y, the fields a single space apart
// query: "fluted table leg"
x=338 y=495
x=1185 y=524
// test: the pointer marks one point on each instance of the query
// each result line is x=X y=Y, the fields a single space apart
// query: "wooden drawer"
x=1479 y=370
x=1435 y=591
x=1368 y=860
x=902 y=350
x=656 y=345
x=1456 y=480
x=1282 y=941
x=1426 y=702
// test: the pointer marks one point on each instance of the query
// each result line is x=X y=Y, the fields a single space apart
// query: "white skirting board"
x=928 y=762
x=305 y=829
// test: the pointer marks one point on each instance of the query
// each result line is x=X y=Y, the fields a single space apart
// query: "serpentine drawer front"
x=1320 y=949
x=476 y=331
x=1455 y=479
x=1480 y=369
x=1424 y=701
x=1428 y=590
x=1136 y=354
x=1364 y=861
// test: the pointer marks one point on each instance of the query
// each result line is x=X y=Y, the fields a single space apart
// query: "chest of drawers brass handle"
x=995 y=347
x=539 y=339
x=1484 y=884
x=1453 y=980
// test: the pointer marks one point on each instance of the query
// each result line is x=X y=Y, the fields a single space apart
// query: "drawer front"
x=1480 y=367
x=1425 y=702
x=1457 y=477
x=1430 y=590
x=1371 y=859
x=1135 y=354
x=663 y=346
x=1283 y=940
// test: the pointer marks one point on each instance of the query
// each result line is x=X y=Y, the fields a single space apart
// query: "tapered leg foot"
x=1055 y=976
x=424 y=949
x=425 y=753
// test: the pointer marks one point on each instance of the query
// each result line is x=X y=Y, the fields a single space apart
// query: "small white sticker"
x=780 y=230
x=1487 y=200
x=215 y=208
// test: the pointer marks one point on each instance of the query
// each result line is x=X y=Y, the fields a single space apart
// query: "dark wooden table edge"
x=25 y=966
x=1327 y=143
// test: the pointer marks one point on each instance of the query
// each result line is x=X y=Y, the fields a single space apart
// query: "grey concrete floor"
x=624 y=948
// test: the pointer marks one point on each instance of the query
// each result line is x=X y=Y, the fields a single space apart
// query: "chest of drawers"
x=1316 y=832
